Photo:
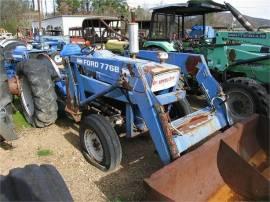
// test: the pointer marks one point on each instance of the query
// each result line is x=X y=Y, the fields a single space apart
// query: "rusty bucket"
x=232 y=165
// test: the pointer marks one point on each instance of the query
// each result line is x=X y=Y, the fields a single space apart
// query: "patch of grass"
x=44 y=152
x=117 y=199
x=20 y=121
x=18 y=118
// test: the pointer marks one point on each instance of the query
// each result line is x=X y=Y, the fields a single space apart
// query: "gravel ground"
x=85 y=182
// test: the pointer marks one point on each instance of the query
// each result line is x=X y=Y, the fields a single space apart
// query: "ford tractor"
x=103 y=91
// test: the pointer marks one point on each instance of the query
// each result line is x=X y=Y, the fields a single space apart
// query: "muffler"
x=225 y=158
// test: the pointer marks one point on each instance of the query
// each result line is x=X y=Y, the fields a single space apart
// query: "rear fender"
x=51 y=64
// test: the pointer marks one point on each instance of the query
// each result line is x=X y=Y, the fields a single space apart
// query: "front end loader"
x=102 y=91
x=231 y=166
x=197 y=148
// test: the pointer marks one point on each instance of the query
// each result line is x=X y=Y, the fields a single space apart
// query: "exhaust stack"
x=133 y=38
x=133 y=33
x=242 y=20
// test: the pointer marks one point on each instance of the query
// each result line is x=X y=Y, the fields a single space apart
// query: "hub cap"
x=93 y=145
x=58 y=59
x=241 y=104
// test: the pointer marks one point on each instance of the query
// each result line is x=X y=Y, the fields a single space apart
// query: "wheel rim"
x=58 y=59
x=93 y=145
x=241 y=104
x=26 y=97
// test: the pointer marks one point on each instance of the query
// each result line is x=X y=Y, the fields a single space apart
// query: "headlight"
x=162 y=56
x=29 y=47
x=46 y=47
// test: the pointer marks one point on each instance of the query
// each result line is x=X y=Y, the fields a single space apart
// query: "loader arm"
x=150 y=87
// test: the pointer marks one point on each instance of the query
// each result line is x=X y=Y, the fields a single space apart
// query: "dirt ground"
x=85 y=182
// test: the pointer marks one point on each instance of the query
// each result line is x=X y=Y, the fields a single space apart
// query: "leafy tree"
x=142 y=14
x=110 y=7
x=12 y=14
x=65 y=7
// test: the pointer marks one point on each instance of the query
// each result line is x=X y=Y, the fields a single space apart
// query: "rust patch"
x=225 y=194
x=232 y=55
x=194 y=121
x=126 y=85
x=71 y=108
x=195 y=176
x=191 y=64
x=165 y=119
x=157 y=69
x=249 y=156
x=14 y=85
x=74 y=112
x=130 y=70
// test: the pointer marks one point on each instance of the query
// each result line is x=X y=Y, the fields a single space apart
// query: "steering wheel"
x=87 y=50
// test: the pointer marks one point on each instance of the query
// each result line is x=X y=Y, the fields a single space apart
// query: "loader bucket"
x=201 y=174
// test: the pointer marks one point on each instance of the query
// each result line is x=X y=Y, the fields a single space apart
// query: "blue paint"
x=95 y=75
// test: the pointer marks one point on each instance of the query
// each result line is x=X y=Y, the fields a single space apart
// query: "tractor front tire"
x=245 y=97
x=38 y=97
x=180 y=109
x=100 y=144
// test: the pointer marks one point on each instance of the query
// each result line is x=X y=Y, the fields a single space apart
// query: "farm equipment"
x=52 y=45
x=6 y=126
x=240 y=60
x=16 y=58
x=104 y=91
x=76 y=36
x=106 y=32
x=5 y=35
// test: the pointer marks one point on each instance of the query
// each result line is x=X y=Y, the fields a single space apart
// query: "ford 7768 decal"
x=99 y=65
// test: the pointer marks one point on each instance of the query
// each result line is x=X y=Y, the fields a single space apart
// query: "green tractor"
x=238 y=59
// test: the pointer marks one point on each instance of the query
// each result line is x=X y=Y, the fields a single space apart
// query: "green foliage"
x=110 y=7
x=117 y=199
x=20 y=121
x=44 y=152
x=65 y=7
x=12 y=14
x=18 y=118
x=142 y=14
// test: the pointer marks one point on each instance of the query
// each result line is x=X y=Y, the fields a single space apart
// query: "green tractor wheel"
x=245 y=97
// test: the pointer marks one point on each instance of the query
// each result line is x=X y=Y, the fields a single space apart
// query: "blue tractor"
x=103 y=91
x=52 y=45
x=96 y=86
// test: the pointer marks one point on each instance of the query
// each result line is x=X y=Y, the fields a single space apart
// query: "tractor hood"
x=112 y=68
x=159 y=76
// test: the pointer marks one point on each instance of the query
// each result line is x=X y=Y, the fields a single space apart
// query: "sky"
x=253 y=8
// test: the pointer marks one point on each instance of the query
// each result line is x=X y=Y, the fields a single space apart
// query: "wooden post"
x=39 y=17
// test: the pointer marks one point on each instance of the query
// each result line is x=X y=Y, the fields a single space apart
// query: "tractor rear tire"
x=245 y=97
x=38 y=97
x=100 y=144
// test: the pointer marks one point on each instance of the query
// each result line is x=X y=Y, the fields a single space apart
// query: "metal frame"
x=130 y=81
x=170 y=138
